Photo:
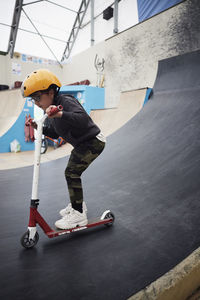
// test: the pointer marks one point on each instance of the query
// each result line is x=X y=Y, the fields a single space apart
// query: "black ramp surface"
x=148 y=175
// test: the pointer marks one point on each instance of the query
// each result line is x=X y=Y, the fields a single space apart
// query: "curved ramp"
x=131 y=102
x=14 y=108
x=148 y=175
x=12 y=103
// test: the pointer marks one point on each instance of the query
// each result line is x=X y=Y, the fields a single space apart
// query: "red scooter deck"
x=91 y=223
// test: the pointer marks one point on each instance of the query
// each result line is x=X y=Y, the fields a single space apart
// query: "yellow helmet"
x=37 y=81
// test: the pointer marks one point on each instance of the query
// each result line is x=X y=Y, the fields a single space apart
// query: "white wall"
x=81 y=66
x=8 y=77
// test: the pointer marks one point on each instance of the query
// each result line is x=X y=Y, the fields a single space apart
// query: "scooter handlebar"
x=56 y=109
x=53 y=111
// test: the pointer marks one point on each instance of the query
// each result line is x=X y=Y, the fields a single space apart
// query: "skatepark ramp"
x=12 y=104
x=131 y=102
x=154 y=181
x=148 y=175
x=12 y=119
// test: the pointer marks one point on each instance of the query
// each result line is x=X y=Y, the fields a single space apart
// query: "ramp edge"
x=179 y=283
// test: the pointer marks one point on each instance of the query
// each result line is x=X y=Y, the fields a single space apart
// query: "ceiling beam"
x=67 y=8
x=75 y=29
x=115 y=30
x=92 y=23
x=33 y=32
x=33 y=2
x=14 y=26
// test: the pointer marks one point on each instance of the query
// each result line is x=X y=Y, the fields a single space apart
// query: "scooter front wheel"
x=26 y=243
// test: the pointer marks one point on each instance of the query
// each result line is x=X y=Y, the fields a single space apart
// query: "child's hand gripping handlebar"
x=55 y=110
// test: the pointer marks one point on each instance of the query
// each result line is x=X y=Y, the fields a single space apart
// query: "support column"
x=115 y=30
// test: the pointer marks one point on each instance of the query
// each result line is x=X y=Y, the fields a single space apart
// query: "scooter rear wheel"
x=26 y=243
x=108 y=216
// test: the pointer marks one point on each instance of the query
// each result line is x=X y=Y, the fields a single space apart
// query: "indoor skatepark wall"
x=7 y=76
x=131 y=57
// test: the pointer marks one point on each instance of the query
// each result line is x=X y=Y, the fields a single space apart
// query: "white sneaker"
x=67 y=209
x=73 y=219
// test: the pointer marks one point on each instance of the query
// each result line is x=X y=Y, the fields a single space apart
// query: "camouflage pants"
x=81 y=157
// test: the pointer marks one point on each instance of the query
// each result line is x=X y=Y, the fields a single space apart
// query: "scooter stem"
x=37 y=156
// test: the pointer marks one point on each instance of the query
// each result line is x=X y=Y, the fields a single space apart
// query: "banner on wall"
x=149 y=8
x=37 y=60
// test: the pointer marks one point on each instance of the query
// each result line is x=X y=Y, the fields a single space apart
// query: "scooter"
x=31 y=236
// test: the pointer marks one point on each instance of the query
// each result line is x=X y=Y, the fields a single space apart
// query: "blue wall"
x=149 y=8
x=90 y=97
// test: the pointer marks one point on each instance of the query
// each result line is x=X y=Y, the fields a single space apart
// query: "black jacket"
x=75 y=126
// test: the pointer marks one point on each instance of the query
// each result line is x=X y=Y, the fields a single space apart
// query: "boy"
x=77 y=128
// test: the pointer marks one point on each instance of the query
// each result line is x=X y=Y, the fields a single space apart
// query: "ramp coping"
x=179 y=283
